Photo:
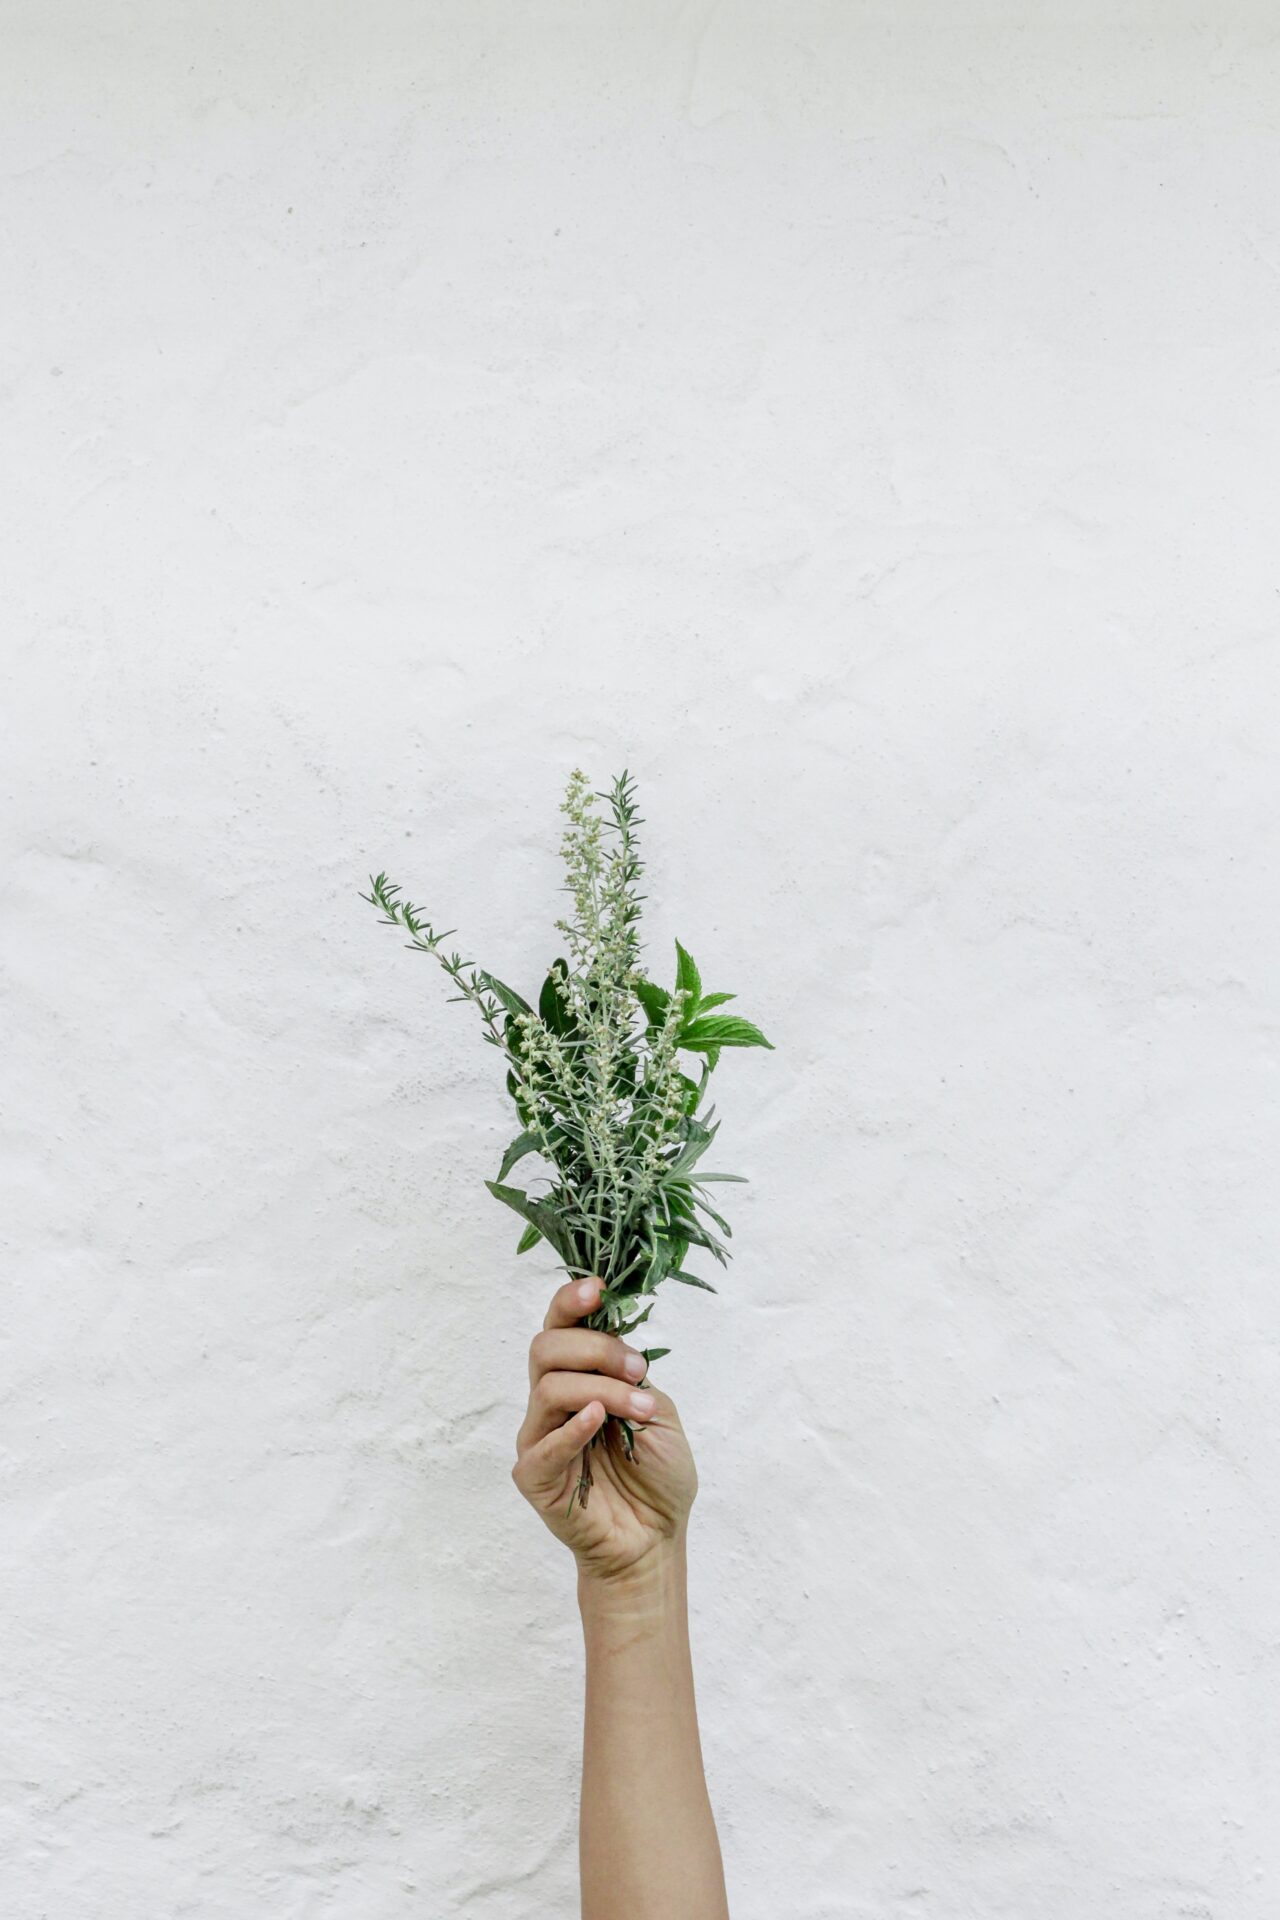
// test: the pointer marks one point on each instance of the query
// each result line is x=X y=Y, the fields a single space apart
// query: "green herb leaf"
x=692 y=1091
x=722 y=1030
x=521 y=1104
x=522 y=1144
x=692 y=1280
x=687 y=977
x=606 y=1098
x=711 y=1214
x=700 y=1236
x=654 y=1000
x=629 y=1326
x=509 y=997
x=697 y=1139
x=655 y=1353
x=540 y=1215
x=663 y=1258
x=553 y=1001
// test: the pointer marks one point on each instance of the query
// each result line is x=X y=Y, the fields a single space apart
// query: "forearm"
x=648 y=1841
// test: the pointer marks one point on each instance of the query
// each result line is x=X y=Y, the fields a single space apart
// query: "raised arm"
x=648 y=1843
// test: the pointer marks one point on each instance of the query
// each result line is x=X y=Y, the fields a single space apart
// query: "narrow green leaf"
x=655 y=1353
x=714 y=1000
x=509 y=997
x=739 y=1178
x=697 y=1139
x=692 y=1280
x=711 y=1213
x=700 y=1236
x=529 y=1238
x=539 y=1215
x=522 y=1144
x=688 y=977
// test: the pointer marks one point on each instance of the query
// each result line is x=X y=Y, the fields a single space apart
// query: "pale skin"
x=647 y=1838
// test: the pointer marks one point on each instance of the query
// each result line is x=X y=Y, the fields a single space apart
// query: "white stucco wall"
x=861 y=421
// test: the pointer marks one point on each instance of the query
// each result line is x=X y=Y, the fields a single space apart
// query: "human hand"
x=637 y=1507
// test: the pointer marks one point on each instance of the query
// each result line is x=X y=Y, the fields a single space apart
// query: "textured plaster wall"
x=862 y=421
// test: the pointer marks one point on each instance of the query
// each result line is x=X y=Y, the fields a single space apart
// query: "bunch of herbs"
x=597 y=1073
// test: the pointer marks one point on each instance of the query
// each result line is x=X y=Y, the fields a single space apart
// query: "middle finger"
x=583 y=1350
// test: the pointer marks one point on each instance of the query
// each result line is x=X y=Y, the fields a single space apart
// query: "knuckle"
x=611 y=1352
x=538 y=1347
x=543 y=1393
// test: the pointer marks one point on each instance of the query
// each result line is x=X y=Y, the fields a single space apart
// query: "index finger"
x=571 y=1302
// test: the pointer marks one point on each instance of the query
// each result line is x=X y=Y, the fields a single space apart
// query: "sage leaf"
x=510 y=999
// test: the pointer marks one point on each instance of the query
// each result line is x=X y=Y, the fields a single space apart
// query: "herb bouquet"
x=597 y=1076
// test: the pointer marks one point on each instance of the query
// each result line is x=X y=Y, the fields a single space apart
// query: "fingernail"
x=587 y=1291
x=643 y=1403
x=634 y=1366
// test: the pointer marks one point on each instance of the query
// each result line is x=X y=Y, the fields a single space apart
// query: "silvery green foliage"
x=597 y=1074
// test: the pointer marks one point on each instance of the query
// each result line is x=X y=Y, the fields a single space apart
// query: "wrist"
x=653 y=1586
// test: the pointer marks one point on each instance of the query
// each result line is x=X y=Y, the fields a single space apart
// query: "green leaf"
x=655 y=1353
x=539 y=1215
x=654 y=1000
x=692 y=1092
x=697 y=1139
x=521 y=1104
x=688 y=977
x=529 y=1238
x=700 y=1236
x=509 y=997
x=553 y=1001
x=714 y=1000
x=663 y=1258
x=522 y=1144
x=722 y=1030
x=738 y=1178
x=711 y=1214
x=692 y=1280
x=629 y=1326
